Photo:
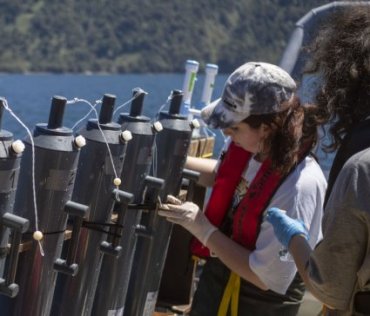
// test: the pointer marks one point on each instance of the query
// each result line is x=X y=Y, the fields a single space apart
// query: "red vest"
x=248 y=215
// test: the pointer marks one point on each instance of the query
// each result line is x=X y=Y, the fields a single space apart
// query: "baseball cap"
x=252 y=89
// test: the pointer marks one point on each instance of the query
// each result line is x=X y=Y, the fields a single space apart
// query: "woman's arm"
x=233 y=255
x=301 y=251
x=293 y=235
x=205 y=166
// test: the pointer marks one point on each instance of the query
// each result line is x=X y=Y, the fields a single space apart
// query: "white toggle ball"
x=80 y=141
x=117 y=181
x=126 y=136
x=195 y=123
x=157 y=126
x=37 y=235
x=18 y=146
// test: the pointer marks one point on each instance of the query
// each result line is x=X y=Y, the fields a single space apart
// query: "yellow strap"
x=231 y=296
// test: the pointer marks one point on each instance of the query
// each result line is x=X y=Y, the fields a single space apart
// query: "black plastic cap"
x=56 y=112
x=137 y=102
x=106 y=110
x=176 y=100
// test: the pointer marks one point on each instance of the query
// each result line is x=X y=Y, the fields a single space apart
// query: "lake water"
x=30 y=96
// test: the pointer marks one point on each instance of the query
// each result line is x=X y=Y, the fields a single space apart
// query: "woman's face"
x=248 y=138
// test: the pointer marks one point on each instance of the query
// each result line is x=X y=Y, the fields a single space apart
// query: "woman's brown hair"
x=341 y=54
x=292 y=131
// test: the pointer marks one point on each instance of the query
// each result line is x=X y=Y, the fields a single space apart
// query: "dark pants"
x=252 y=300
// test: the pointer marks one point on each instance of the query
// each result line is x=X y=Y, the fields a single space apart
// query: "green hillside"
x=143 y=35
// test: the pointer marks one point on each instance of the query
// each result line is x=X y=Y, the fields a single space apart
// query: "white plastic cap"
x=211 y=69
x=80 y=141
x=157 y=126
x=37 y=235
x=192 y=65
x=18 y=146
x=126 y=135
x=195 y=123
x=117 y=181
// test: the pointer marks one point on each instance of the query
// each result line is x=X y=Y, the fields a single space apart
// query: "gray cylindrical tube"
x=94 y=187
x=115 y=272
x=172 y=144
x=56 y=160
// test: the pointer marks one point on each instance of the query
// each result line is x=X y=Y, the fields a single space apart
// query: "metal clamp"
x=153 y=186
x=68 y=266
x=113 y=248
x=19 y=226
x=193 y=177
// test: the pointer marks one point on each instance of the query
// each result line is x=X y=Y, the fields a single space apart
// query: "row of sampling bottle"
x=79 y=233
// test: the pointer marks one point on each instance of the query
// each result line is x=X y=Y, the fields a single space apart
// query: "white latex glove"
x=189 y=216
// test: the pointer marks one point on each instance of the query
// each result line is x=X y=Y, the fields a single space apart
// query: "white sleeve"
x=301 y=195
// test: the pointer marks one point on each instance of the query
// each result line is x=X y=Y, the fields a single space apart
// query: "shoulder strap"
x=227 y=179
x=228 y=176
x=249 y=214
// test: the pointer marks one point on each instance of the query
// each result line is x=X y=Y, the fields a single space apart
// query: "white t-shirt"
x=301 y=195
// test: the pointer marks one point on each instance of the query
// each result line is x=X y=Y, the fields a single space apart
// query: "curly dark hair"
x=292 y=131
x=341 y=54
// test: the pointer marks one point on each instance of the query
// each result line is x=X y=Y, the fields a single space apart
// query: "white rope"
x=6 y=106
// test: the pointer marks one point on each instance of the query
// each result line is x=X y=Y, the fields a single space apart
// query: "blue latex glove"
x=284 y=226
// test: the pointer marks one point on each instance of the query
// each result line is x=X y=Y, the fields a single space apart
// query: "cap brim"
x=207 y=112
x=217 y=115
